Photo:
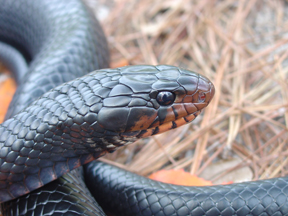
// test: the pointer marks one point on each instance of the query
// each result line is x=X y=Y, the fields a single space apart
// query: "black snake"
x=80 y=120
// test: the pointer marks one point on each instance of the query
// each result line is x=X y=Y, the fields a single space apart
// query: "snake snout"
x=199 y=91
x=205 y=88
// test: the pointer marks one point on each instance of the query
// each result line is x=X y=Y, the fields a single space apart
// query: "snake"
x=63 y=116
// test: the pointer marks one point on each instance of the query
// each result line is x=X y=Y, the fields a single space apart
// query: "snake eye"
x=165 y=98
x=201 y=97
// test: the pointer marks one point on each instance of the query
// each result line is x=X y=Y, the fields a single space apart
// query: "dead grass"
x=242 y=47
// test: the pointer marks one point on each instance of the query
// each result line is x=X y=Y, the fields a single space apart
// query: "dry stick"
x=220 y=32
x=160 y=155
x=122 y=50
x=258 y=120
x=246 y=69
x=273 y=151
x=269 y=142
x=267 y=167
x=271 y=127
x=115 y=164
x=261 y=108
x=153 y=153
x=257 y=137
x=211 y=158
x=219 y=137
x=184 y=164
x=146 y=46
x=259 y=149
x=226 y=5
x=268 y=170
x=255 y=121
x=180 y=27
x=157 y=159
x=122 y=39
x=166 y=47
x=247 y=153
x=284 y=94
x=269 y=94
x=213 y=46
x=261 y=64
x=238 y=166
x=273 y=157
x=253 y=154
x=202 y=142
x=267 y=51
x=197 y=53
x=189 y=161
x=147 y=51
x=247 y=139
x=180 y=164
x=278 y=76
x=238 y=90
x=265 y=118
x=279 y=168
x=165 y=152
x=259 y=93
x=174 y=147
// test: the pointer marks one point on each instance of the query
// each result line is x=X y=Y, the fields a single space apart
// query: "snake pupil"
x=165 y=98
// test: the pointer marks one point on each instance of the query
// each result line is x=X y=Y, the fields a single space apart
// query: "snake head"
x=149 y=100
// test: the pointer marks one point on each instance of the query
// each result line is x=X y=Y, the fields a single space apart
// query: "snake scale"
x=47 y=43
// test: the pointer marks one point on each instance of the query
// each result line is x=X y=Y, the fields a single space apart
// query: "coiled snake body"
x=82 y=119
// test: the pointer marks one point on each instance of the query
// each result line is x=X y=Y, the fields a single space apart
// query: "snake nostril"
x=201 y=97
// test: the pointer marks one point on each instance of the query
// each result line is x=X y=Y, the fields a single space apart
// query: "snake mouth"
x=163 y=127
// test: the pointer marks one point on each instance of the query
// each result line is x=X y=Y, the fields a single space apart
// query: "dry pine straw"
x=240 y=46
